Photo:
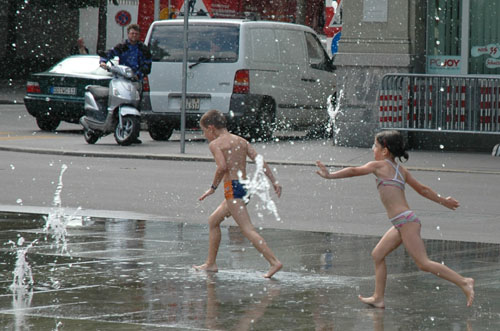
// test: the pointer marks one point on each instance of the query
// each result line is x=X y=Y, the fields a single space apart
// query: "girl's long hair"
x=394 y=142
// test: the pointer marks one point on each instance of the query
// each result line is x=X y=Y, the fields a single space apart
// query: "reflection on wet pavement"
x=136 y=275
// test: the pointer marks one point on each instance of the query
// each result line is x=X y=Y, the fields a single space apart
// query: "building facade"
x=445 y=37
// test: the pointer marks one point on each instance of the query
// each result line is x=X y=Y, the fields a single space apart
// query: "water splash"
x=333 y=110
x=23 y=277
x=258 y=185
x=22 y=284
x=57 y=221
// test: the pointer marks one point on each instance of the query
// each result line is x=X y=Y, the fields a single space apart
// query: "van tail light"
x=241 y=82
x=145 y=84
x=33 y=87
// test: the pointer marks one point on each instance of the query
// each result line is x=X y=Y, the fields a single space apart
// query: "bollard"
x=496 y=150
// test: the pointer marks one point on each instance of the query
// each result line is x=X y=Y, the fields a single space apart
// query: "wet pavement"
x=122 y=274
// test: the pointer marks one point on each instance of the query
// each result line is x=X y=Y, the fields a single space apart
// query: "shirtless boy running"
x=230 y=153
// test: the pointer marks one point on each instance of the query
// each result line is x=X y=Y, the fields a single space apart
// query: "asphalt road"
x=163 y=188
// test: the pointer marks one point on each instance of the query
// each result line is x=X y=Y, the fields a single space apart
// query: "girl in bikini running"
x=391 y=179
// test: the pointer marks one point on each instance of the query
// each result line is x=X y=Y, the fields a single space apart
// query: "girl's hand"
x=451 y=203
x=210 y=191
x=323 y=171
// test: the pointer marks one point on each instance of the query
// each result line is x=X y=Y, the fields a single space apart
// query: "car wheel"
x=90 y=136
x=129 y=131
x=160 y=131
x=264 y=125
x=47 y=122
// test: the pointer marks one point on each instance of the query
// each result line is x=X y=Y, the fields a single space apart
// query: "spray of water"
x=333 y=110
x=23 y=277
x=55 y=221
x=258 y=185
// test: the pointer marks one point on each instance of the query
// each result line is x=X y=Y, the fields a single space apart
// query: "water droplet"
x=441 y=146
x=438 y=228
x=12 y=167
x=19 y=201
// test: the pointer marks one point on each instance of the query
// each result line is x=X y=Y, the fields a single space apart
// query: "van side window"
x=291 y=46
x=317 y=57
x=218 y=43
x=264 y=45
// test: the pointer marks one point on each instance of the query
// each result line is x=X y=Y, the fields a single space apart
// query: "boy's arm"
x=220 y=171
x=366 y=169
x=430 y=194
x=252 y=154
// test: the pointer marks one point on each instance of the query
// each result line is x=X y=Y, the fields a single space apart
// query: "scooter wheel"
x=90 y=136
x=129 y=131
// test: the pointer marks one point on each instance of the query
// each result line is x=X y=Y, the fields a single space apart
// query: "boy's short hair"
x=215 y=118
x=135 y=27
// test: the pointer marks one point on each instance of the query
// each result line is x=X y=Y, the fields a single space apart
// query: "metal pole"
x=184 y=80
x=157 y=10
x=464 y=68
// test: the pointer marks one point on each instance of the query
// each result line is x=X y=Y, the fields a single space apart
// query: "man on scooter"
x=132 y=53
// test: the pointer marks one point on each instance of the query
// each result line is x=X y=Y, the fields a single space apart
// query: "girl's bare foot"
x=206 y=267
x=469 y=290
x=274 y=269
x=372 y=301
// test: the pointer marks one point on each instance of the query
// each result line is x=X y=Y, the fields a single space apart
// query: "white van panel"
x=279 y=60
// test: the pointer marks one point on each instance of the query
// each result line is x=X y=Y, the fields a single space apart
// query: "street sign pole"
x=184 y=79
x=157 y=10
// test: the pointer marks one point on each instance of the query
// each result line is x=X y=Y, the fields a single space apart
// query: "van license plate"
x=192 y=104
x=63 y=90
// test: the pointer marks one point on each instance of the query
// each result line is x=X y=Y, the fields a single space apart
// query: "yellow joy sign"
x=165 y=12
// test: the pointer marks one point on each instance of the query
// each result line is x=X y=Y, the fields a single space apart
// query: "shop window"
x=443 y=36
x=484 y=42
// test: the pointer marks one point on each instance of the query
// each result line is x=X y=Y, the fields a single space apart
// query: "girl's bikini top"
x=397 y=181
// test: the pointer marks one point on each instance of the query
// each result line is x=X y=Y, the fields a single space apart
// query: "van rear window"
x=207 y=43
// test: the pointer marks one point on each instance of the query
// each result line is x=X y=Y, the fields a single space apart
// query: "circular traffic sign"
x=123 y=18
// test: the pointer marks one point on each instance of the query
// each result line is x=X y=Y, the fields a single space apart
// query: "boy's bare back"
x=234 y=150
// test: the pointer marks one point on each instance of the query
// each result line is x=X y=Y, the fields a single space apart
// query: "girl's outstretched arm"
x=366 y=169
x=430 y=194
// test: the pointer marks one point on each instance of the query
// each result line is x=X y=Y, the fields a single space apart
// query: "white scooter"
x=114 y=108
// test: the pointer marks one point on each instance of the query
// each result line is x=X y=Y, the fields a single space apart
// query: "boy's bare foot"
x=469 y=291
x=372 y=301
x=274 y=269
x=206 y=267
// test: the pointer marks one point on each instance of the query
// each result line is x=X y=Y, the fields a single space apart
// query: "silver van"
x=263 y=75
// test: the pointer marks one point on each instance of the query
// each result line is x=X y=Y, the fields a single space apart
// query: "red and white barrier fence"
x=465 y=103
